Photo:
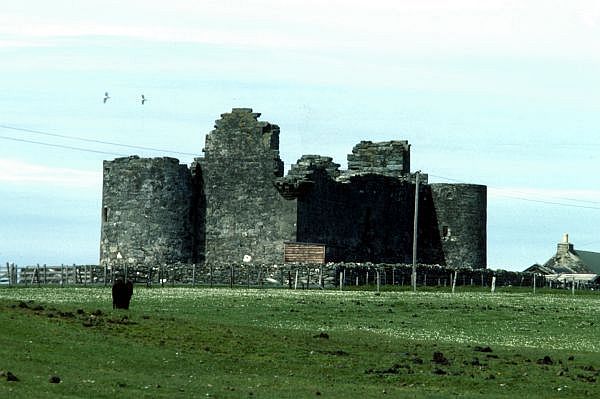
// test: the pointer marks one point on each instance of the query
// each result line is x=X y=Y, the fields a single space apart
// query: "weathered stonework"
x=146 y=212
x=388 y=158
x=568 y=260
x=461 y=214
x=245 y=215
x=234 y=205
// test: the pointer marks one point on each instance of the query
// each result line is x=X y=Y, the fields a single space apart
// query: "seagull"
x=144 y=99
x=106 y=97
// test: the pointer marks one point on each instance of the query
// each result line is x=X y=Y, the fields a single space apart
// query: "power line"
x=559 y=198
x=536 y=200
x=445 y=178
x=551 y=202
x=187 y=153
x=93 y=140
x=62 y=146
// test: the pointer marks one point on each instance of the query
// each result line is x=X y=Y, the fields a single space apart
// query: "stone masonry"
x=235 y=205
x=146 y=212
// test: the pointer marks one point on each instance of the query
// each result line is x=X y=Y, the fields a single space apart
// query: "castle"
x=235 y=203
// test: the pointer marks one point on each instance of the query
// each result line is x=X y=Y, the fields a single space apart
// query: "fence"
x=9 y=275
x=61 y=275
x=289 y=275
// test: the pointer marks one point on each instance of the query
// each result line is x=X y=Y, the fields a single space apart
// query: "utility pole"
x=415 y=231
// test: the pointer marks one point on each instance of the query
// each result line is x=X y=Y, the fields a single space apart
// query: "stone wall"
x=245 y=214
x=360 y=215
x=368 y=218
x=461 y=214
x=146 y=212
x=234 y=204
x=388 y=158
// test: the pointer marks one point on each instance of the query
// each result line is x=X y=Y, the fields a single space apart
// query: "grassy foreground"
x=228 y=343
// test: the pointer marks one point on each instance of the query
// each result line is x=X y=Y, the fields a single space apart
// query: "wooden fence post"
x=321 y=276
x=454 y=280
x=259 y=276
x=296 y=280
x=12 y=274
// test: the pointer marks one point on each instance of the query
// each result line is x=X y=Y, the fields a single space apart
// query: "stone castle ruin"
x=236 y=203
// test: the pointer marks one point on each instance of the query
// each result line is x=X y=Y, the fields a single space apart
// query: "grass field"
x=228 y=343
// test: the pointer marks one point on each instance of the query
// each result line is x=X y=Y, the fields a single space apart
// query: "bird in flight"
x=106 y=97
x=144 y=99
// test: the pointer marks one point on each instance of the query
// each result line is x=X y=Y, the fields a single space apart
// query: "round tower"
x=461 y=213
x=146 y=212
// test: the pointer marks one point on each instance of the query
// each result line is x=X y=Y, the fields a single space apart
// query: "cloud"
x=428 y=27
x=7 y=43
x=19 y=172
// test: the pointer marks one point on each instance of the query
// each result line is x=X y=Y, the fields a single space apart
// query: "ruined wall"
x=461 y=213
x=366 y=219
x=245 y=214
x=364 y=214
x=235 y=202
x=360 y=214
x=146 y=212
x=387 y=158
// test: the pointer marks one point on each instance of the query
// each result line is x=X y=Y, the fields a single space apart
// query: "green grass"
x=228 y=343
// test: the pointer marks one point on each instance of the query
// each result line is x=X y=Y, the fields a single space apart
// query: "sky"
x=500 y=93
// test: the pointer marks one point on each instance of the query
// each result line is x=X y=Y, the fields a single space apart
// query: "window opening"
x=445 y=231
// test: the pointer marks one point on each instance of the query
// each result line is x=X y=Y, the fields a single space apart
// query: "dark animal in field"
x=121 y=294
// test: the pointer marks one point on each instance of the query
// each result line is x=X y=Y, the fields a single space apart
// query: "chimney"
x=563 y=247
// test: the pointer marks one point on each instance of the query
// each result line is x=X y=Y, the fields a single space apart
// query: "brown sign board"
x=304 y=252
